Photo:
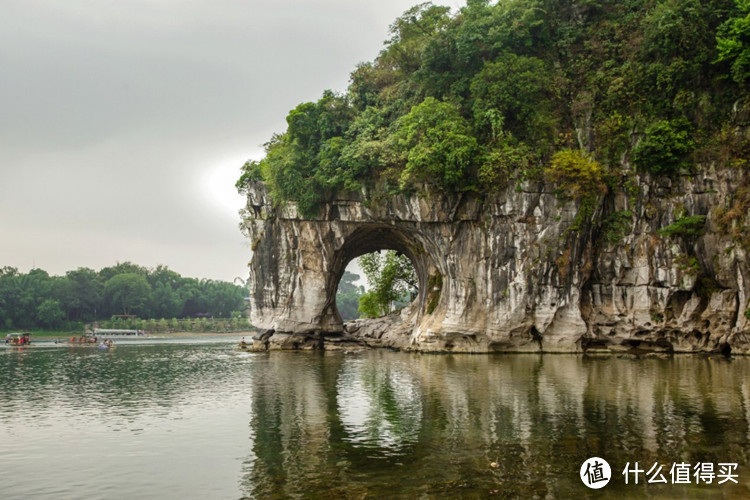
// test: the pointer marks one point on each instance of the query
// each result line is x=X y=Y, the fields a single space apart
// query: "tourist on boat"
x=7 y=338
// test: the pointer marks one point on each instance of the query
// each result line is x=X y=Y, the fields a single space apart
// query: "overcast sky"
x=124 y=123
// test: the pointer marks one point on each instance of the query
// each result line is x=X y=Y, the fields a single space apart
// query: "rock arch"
x=374 y=237
x=509 y=271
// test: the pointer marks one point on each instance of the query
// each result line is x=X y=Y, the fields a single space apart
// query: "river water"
x=197 y=419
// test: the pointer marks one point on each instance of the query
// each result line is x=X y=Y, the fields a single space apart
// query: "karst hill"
x=564 y=176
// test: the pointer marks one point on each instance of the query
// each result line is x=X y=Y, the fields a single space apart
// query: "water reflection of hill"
x=387 y=424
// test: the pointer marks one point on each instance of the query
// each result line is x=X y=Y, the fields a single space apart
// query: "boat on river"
x=106 y=345
x=18 y=339
x=84 y=340
x=118 y=332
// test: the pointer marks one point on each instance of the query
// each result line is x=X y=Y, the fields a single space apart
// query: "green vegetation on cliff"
x=576 y=92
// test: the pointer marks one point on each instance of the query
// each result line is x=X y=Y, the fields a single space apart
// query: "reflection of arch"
x=372 y=238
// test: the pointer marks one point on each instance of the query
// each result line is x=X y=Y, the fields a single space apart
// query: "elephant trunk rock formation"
x=518 y=270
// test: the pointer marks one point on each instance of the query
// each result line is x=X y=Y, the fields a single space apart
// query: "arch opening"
x=370 y=239
x=391 y=285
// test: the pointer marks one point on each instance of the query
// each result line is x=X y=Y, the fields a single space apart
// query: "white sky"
x=123 y=124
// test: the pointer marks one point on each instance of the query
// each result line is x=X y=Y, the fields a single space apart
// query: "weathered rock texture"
x=516 y=271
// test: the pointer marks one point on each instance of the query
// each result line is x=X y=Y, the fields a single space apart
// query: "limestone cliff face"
x=518 y=270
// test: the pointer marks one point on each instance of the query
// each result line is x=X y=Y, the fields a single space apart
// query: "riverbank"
x=58 y=335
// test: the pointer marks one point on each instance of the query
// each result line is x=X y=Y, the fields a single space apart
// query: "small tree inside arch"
x=392 y=283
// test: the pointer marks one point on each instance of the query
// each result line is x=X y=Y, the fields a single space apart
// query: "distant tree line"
x=36 y=300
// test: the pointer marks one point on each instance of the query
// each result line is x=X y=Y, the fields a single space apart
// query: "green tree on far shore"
x=50 y=314
x=348 y=295
x=129 y=292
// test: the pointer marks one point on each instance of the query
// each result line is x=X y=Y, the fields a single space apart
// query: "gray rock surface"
x=515 y=271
